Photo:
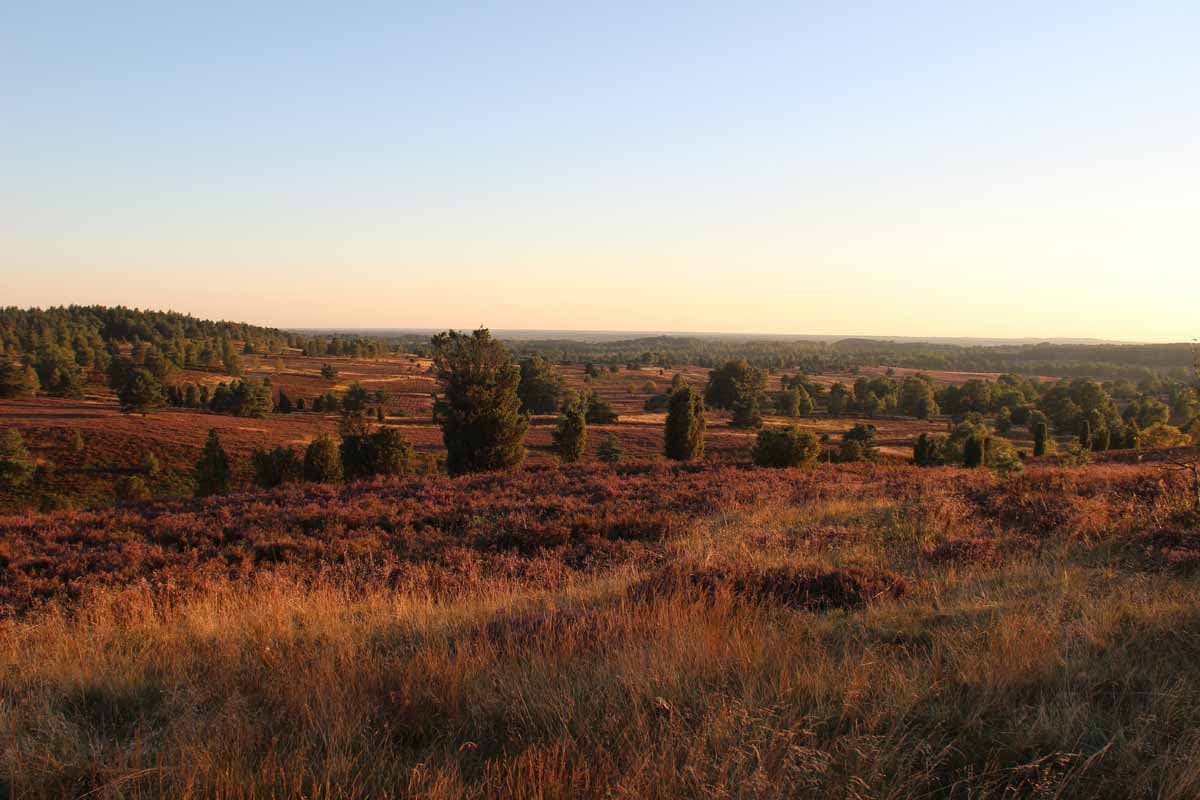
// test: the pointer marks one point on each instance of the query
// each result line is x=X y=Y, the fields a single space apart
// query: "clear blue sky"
x=954 y=169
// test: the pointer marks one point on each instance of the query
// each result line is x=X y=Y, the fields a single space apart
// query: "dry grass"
x=1059 y=665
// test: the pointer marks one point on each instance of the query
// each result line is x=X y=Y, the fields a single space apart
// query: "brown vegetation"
x=584 y=632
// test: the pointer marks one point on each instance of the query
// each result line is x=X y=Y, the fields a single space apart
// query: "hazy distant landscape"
x=611 y=336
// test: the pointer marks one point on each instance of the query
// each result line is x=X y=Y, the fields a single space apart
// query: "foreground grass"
x=1059 y=672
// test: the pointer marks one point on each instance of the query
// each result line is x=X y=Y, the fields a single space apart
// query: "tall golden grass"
x=1057 y=671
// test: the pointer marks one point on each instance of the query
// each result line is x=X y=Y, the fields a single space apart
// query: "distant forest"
x=1131 y=362
x=91 y=335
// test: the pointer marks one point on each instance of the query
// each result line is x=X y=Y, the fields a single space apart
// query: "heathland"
x=618 y=569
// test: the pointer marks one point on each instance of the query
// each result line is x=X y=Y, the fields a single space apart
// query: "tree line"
x=51 y=351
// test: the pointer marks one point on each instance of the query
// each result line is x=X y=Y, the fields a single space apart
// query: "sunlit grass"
x=1046 y=674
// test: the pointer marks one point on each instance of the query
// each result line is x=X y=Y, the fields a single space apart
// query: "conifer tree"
x=356 y=398
x=480 y=412
x=1101 y=436
x=541 y=387
x=927 y=451
x=16 y=465
x=212 y=470
x=1039 y=438
x=746 y=413
x=599 y=412
x=17 y=380
x=973 y=452
x=683 y=437
x=276 y=466
x=570 y=437
x=1133 y=437
x=141 y=393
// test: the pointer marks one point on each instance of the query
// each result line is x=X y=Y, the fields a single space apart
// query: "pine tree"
x=16 y=465
x=683 y=437
x=275 y=467
x=570 y=437
x=973 y=452
x=480 y=412
x=927 y=451
x=1101 y=437
x=212 y=470
x=541 y=387
x=737 y=382
x=1039 y=438
x=141 y=393
x=391 y=453
x=356 y=398
x=229 y=359
x=599 y=412
x=746 y=413
x=17 y=380
x=284 y=404
x=365 y=453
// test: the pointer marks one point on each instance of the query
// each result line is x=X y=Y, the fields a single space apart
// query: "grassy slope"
x=1046 y=645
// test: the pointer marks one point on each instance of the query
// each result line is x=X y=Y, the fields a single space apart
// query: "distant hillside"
x=612 y=337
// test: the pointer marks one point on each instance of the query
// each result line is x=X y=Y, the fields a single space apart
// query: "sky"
x=921 y=168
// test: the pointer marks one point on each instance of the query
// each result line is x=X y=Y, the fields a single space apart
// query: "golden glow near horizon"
x=932 y=172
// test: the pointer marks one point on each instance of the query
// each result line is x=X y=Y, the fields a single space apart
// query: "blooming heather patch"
x=548 y=521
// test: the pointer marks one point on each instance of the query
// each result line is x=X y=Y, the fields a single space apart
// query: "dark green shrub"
x=684 y=433
x=789 y=447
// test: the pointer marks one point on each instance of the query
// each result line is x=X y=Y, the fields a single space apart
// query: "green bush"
x=276 y=466
x=789 y=447
x=322 y=460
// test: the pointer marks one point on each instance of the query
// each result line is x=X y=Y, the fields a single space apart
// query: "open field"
x=407 y=379
x=115 y=444
x=649 y=629
x=848 y=631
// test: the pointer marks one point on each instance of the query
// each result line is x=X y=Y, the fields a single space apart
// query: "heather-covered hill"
x=552 y=521
x=849 y=631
